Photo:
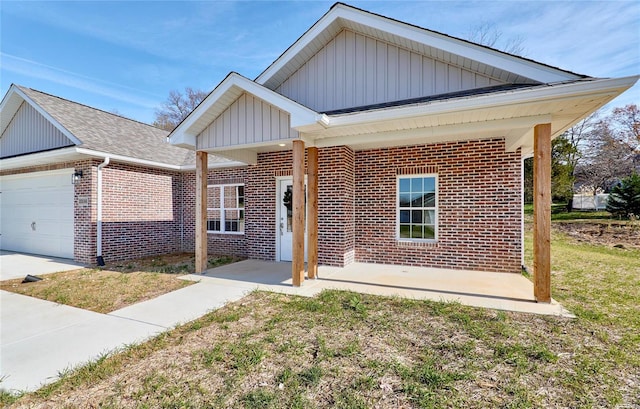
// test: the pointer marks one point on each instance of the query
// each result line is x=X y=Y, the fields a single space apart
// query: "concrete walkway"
x=40 y=339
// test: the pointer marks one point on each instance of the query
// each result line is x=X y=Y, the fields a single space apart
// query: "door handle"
x=33 y=226
x=281 y=228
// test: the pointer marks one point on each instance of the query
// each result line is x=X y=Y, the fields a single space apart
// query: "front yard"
x=114 y=286
x=347 y=350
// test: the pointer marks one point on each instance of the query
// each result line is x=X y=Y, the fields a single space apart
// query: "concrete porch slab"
x=501 y=291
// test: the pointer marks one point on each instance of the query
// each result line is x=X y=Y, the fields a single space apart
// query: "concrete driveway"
x=18 y=265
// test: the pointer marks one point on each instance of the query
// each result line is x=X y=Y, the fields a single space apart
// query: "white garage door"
x=37 y=213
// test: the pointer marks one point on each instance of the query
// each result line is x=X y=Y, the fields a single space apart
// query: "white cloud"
x=91 y=85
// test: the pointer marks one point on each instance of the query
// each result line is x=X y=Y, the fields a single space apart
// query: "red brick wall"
x=142 y=211
x=84 y=225
x=479 y=206
x=336 y=206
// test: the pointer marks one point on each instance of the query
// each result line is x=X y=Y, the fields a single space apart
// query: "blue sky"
x=127 y=56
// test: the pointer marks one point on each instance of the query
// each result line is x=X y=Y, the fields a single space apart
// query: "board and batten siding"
x=29 y=132
x=248 y=120
x=354 y=70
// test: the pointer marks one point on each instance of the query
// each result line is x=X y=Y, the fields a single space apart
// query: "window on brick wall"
x=417 y=208
x=225 y=209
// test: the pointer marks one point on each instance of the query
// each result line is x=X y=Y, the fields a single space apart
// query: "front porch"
x=501 y=291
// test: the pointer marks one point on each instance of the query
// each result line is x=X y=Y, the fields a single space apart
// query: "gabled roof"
x=530 y=93
x=479 y=58
x=96 y=132
x=224 y=95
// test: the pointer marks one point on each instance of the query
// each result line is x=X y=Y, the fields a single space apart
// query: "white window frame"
x=435 y=208
x=222 y=209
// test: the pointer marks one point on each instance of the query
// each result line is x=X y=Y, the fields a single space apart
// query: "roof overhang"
x=510 y=114
x=227 y=92
x=437 y=45
x=72 y=154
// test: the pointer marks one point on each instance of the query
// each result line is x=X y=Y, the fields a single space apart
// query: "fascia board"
x=42 y=112
x=525 y=68
x=437 y=132
x=30 y=158
x=127 y=159
x=572 y=90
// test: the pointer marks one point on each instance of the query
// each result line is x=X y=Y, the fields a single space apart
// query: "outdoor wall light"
x=75 y=178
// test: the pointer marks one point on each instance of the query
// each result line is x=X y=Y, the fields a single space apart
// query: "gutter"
x=99 y=259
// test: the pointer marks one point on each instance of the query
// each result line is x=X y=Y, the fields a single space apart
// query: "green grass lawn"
x=347 y=350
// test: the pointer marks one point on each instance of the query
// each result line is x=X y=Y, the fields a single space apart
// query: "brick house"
x=82 y=183
x=374 y=140
x=367 y=140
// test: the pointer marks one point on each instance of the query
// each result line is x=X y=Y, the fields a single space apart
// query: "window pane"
x=416 y=185
x=230 y=197
x=416 y=199
x=405 y=231
x=416 y=216
x=405 y=216
x=213 y=225
x=240 y=196
x=416 y=231
x=429 y=216
x=429 y=184
x=429 y=200
x=429 y=232
x=405 y=200
x=213 y=214
x=234 y=220
x=405 y=185
x=213 y=197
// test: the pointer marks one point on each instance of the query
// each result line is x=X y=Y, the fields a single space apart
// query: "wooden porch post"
x=201 y=211
x=542 y=213
x=312 y=216
x=297 y=264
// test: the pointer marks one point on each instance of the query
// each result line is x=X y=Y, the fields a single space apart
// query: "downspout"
x=522 y=198
x=99 y=258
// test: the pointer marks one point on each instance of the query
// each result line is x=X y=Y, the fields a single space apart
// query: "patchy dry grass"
x=348 y=350
x=114 y=286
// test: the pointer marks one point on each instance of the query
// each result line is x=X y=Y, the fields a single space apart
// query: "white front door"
x=285 y=221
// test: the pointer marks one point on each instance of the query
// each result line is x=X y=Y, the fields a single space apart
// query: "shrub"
x=624 y=199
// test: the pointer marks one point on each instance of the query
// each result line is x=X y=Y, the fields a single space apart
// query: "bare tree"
x=612 y=149
x=627 y=123
x=486 y=33
x=177 y=107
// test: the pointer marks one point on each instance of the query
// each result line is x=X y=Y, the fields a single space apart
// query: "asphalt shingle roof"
x=109 y=133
